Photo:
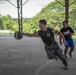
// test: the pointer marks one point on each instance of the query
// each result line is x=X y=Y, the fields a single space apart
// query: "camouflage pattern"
x=53 y=50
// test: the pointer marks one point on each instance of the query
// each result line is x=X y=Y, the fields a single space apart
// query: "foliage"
x=53 y=13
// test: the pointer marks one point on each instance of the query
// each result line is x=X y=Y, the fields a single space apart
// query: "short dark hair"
x=64 y=21
x=43 y=21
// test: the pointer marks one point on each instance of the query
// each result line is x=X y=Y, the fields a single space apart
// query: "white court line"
x=42 y=67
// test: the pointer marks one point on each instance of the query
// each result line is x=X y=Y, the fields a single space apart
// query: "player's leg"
x=71 y=47
x=49 y=51
x=65 y=51
x=63 y=59
x=59 y=53
x=55 y=56
x=66 y=48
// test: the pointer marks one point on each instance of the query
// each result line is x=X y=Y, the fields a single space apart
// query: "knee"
x=50 y=56
x=72 y=47
x=66 y=48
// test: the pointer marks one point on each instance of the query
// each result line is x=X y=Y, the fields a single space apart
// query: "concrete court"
x=28 y=57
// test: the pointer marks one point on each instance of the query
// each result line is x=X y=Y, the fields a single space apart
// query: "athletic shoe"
x=66 y=67
x=70 y=55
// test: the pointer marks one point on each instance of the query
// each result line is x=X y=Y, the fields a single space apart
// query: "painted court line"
x=42 y=67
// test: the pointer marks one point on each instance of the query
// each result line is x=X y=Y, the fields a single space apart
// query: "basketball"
x=18 y=35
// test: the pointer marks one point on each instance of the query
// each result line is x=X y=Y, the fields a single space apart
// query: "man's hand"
x=67 y=33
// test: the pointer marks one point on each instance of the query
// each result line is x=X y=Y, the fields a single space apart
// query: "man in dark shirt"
x=67 y=32
x=51 y=46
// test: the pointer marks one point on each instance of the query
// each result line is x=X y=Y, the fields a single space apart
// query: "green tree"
x=1 y=23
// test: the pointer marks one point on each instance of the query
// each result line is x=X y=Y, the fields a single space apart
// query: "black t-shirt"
x=65 y=30
x=47 y=36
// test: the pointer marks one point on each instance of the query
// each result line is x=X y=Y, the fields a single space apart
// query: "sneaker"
x=66 y=67
x=70 y=55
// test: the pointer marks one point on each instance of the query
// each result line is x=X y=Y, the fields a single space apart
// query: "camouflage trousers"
x=53 y=50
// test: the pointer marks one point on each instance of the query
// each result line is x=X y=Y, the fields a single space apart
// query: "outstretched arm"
x=61 y=36
x=31 y=35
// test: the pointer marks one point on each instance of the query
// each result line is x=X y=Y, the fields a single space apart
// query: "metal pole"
x=19 y=8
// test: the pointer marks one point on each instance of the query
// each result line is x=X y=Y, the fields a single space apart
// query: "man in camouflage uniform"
x=51 y=46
